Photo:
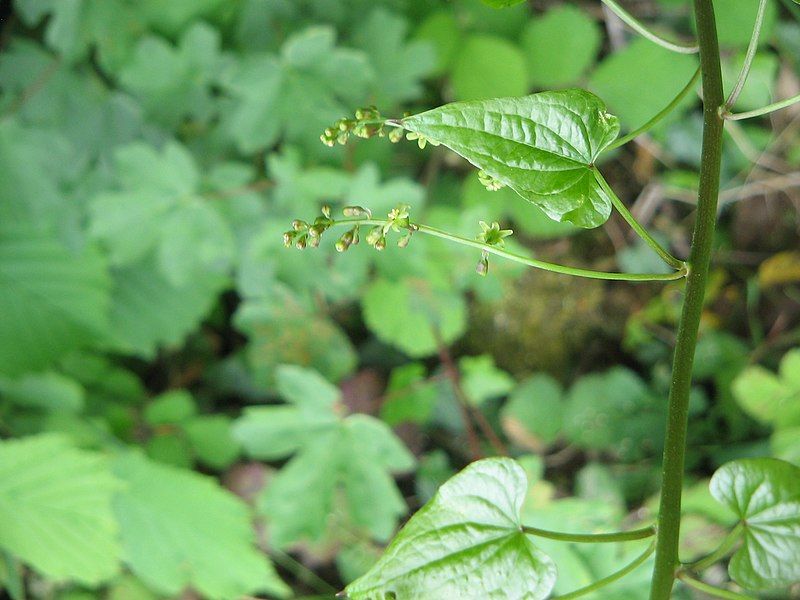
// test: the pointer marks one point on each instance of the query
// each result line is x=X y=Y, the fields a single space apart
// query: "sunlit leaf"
x=465 y=543
x=765 y=494
x=542 y=146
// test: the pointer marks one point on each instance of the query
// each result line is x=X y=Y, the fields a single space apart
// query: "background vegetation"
x=189 y=409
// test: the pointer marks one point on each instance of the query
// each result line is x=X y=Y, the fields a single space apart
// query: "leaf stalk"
x=530 y=262
x=644 y=31
x=592 y=538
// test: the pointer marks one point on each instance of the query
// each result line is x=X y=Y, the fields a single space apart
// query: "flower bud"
x=375 y=234
x=381 y=243
x=313 y=241
x=395 y=135
x=482 y=268
x=326 y=211
x=299 y=225
x=403 y=241
x=288 y=238
x=340 y=246
x=316 y=231
x=300 y=244
x=356 y=211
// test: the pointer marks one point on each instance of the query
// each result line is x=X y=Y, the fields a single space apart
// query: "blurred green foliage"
x=170 y=375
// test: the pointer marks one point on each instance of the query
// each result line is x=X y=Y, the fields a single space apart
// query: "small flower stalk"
x=303 y=234
x=491 y=235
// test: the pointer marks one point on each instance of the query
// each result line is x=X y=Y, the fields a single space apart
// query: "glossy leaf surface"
x=542 y=146
x=465 y=543
x=765 y=494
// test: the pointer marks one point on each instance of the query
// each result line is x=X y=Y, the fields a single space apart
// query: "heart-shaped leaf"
x=465 y=543
x=542 y=146
x=765 y=493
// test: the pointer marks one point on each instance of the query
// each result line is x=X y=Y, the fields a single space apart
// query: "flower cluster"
x=367 y=123
x=304 y=234
x=489 y=182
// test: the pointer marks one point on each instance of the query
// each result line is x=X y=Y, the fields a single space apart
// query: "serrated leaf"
x=316 y=341
x=296 y=94
x=52 y=300
x=148 y=311
x=181 y=529
x=338 y=463
x=765 y=494
x=399 y=65
x=157 y=210
x=174 y=83
x=55 y=509
x=465 y=543
x=542 y=146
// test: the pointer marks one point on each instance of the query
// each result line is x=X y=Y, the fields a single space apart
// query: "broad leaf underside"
x=542 y=146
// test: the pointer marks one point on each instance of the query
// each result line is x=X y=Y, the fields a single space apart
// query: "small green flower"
x=489 y=182
x=492 y=235
x=421 y=139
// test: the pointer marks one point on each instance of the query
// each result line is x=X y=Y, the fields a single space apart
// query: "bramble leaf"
x=181 y=529
x=338 y=461
x=52 y=300
x=465 y=543
x=542 y=146
x=765 y=494
x=55 y=509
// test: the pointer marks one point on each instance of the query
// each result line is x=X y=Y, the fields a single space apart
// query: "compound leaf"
x=181 y=529
x=338 y=461
x=542 y=146
x=465 y=543
x=765 y=494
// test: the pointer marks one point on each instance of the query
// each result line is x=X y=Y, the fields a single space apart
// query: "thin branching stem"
x=712 y=590
x=663 y=113
x=617 y=575
x=758 y=112
x=642 y=30
x=592 y=538
x=748 y=58
x=673 y=262
x=721 y=552
x=530 y=262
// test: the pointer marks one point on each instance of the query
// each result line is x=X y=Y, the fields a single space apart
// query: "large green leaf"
x=338 y=463
x=181 y=529
x=55 y=509
x=765 y=494
x=52 y=300
x=542 y=146
x=465 y=543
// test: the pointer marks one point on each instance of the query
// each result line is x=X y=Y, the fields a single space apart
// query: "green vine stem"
x=636 y=226
x=592 y=538
x=657 y=118
x=758 y=112
x=712 y=590
x=721 y=552
x=617 y=575
x=669 y=516
x=531 y=262
x=641 y=29
x=748 y=58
